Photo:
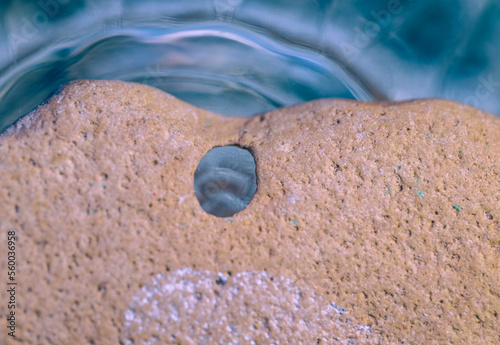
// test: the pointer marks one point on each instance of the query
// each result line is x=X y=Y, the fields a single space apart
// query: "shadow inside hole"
x=225 y=180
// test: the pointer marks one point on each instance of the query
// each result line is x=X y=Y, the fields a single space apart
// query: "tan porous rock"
x=372 y=223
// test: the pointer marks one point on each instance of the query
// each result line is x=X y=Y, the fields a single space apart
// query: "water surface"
x=242 y=58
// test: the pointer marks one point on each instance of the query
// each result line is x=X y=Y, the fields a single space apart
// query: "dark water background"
x=244 y=57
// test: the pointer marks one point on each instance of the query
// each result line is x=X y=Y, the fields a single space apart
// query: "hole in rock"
x=225 y=180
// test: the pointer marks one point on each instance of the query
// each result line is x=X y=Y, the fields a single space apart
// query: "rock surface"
x=371 y=224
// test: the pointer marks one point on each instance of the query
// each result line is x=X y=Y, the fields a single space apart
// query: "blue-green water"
x=244 y=57
x=225 y=180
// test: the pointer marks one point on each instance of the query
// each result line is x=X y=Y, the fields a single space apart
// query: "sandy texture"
x=371 y=224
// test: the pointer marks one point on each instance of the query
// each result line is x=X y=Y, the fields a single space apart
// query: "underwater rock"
x=380 y=223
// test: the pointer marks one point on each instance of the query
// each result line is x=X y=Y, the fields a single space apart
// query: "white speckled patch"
x=202 y=307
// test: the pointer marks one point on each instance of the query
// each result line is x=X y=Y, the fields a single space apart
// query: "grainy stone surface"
x=379 y=222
